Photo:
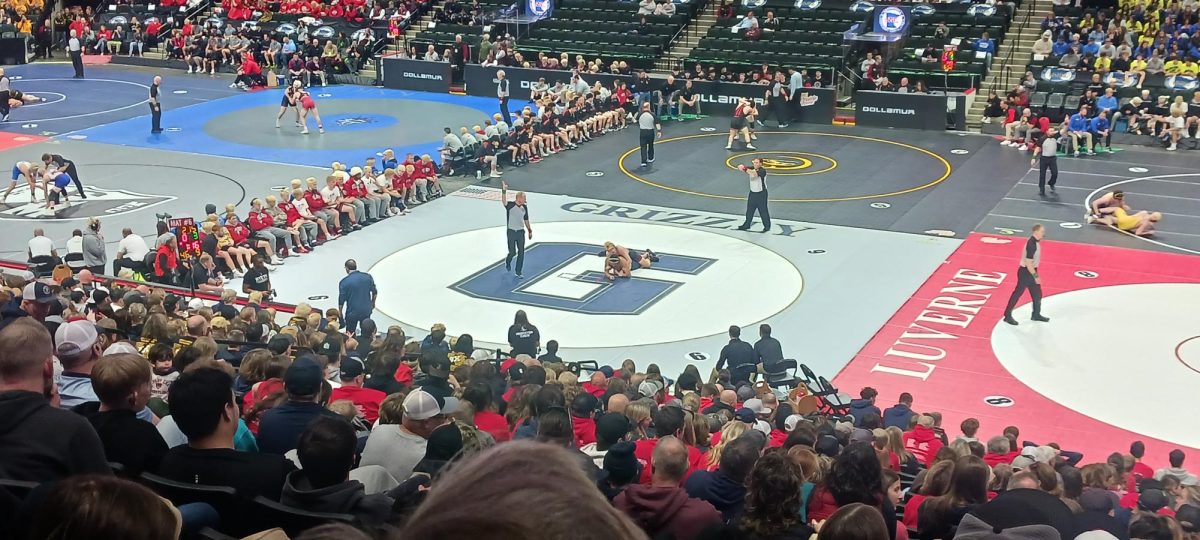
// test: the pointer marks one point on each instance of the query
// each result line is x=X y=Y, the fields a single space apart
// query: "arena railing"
x=279 y=307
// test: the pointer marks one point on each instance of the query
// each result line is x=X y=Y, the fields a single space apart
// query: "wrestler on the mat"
x=618 y=260
x=30 y=172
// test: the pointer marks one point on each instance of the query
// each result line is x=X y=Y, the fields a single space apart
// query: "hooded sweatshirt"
x=585 y=430
x=899 y=415
x=349 y=497
x=718 y=489
x=40 y=443
x=923 y=443
x=666 y=510
x=860 y=407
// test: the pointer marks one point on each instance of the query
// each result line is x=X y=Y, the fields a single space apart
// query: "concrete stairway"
x=680 y=48
x=1022 y=51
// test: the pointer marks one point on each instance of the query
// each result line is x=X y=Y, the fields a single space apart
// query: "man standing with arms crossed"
x=502 y=93
x=518 y=228
x=75 y=48
x=1027 y=277
x=356 y=296
x=155 y=107
x=648 y=130
x=756 y=200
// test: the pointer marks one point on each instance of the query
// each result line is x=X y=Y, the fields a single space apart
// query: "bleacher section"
x=592 y=28
x=812 y=39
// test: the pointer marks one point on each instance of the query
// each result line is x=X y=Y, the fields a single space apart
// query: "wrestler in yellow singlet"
x=1125 y=222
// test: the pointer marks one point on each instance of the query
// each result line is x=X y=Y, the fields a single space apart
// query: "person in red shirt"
x=668 y=422
x=1140 y=470
x=922 y=442
x=999 y=451
x=249 y=74
x=598 y=384
x=482 y=399
x=263 y=227
x=240 y=234
x=428 y=170
x=366 y=400
x=308 y=225
x=316 y=205
x=583 y=421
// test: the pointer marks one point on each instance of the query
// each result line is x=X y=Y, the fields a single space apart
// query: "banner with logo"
x=892 y=19
x=890 y=109
x=716 y=98
x=539 y=8
x=406 y=74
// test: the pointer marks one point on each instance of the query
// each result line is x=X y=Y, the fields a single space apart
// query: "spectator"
x=939 y=516
x=854 y=522
x=122 y=382
x=351 y=373
x=398 y=448
x=922 y=442
x=39 y=442
x=280 y=428
x=92 y=507
x=725 y=488
x=1043 y=46
x=1137 y=450
x=662 y=507
x=985 y=45
x=901 y=414
x=326 y=453
x=767 y=348
x=203 y=407
x=484 y=496
x=131 y=252
x=865 y=404
x=94 y=256
x=1176 y=469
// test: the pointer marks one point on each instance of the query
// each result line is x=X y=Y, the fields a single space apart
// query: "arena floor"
x=890 y=259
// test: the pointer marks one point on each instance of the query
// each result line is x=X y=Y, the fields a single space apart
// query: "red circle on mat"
x=1179 y=353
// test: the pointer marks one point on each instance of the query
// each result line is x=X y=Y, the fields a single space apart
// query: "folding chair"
x=294 y=521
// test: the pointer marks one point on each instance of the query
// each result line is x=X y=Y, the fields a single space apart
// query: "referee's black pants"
x=757 y=202
x=155 y=117
x=77 y=63
x=74 y=174
x=516 y=248
x=1047 y=164
x=779 y=108
x=504 y=110
x=1025 y=280
x=646 y=139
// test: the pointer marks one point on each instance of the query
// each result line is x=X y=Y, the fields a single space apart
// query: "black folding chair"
x=223 y=499
x=781 y=374
x=294 y=521
x=835 y=402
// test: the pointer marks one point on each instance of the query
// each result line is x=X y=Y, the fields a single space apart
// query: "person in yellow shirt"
x=1190 y=68
x=1173 y=66
x=1141 y=223
x=1137 y=65
x=1103 y=63
x=24 y=26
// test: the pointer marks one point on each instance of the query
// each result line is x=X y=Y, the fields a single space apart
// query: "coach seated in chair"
x=43 y=257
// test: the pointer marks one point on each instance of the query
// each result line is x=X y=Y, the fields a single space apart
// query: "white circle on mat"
x=417 y=297
x=594 y=173
x=93 y=113
x=1058 y=359
x=880 y=205
x=174 y=129
x=708 y=129
x=179 y=92
x=1138 y=169
x=998 y=401
x=1086 y=274
x=960 y=151
x=77 y=137
x=1070 y=225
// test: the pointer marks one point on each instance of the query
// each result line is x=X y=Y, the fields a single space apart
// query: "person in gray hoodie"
x=94 y=256
x=323 y=484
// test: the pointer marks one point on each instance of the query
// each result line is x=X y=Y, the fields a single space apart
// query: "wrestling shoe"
x=653 y=256
x=1039 y=318
x=1008 y=319
x=750 y=147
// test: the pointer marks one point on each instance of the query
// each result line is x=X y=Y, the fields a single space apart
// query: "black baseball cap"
x=351 y=367
x=38 y=292
x=304 y=377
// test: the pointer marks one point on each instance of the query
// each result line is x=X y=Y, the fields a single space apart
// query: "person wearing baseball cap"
x=39 y=442
x=352 y=373
x=399 y=447
x=77 y=347
x=36 y=300
x=280 y=428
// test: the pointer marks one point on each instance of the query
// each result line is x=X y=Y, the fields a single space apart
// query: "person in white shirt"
x=467 y=137
x=332 y=195
x=646 y=7
x=749 y=21
x=131 y=252
x=537 y=89
x=74 y=256
x=41 y=246
x=431 y=55
x=578 y=85
x=666 y=8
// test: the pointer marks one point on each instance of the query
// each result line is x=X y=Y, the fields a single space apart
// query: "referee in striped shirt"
x=648 y=130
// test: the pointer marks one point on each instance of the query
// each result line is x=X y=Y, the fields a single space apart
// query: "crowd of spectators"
x=433 y=438
x=1136 y=46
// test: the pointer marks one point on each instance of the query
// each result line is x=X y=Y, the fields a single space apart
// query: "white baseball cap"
x=72 y=338
x=427 y=402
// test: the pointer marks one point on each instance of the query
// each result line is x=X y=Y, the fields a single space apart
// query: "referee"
x=155 y=107
x=1046 y=158
x=1027 y=277
x=75 y=48
x=756 y=200
x=518 y=228
x=648 y=130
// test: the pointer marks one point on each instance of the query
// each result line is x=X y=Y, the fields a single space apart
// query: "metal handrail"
x=1006 y=64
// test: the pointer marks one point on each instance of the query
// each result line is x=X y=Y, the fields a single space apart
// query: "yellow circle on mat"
x=941 y=178
x=784 y=162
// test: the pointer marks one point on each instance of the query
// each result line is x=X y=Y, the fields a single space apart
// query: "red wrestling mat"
x=8 y=141
x=1119 y=360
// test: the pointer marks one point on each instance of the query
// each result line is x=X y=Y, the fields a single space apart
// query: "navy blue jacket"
x=724 y=493
x=860 y=407
x=898 y=415
x=280 y=428
x=355 y=292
